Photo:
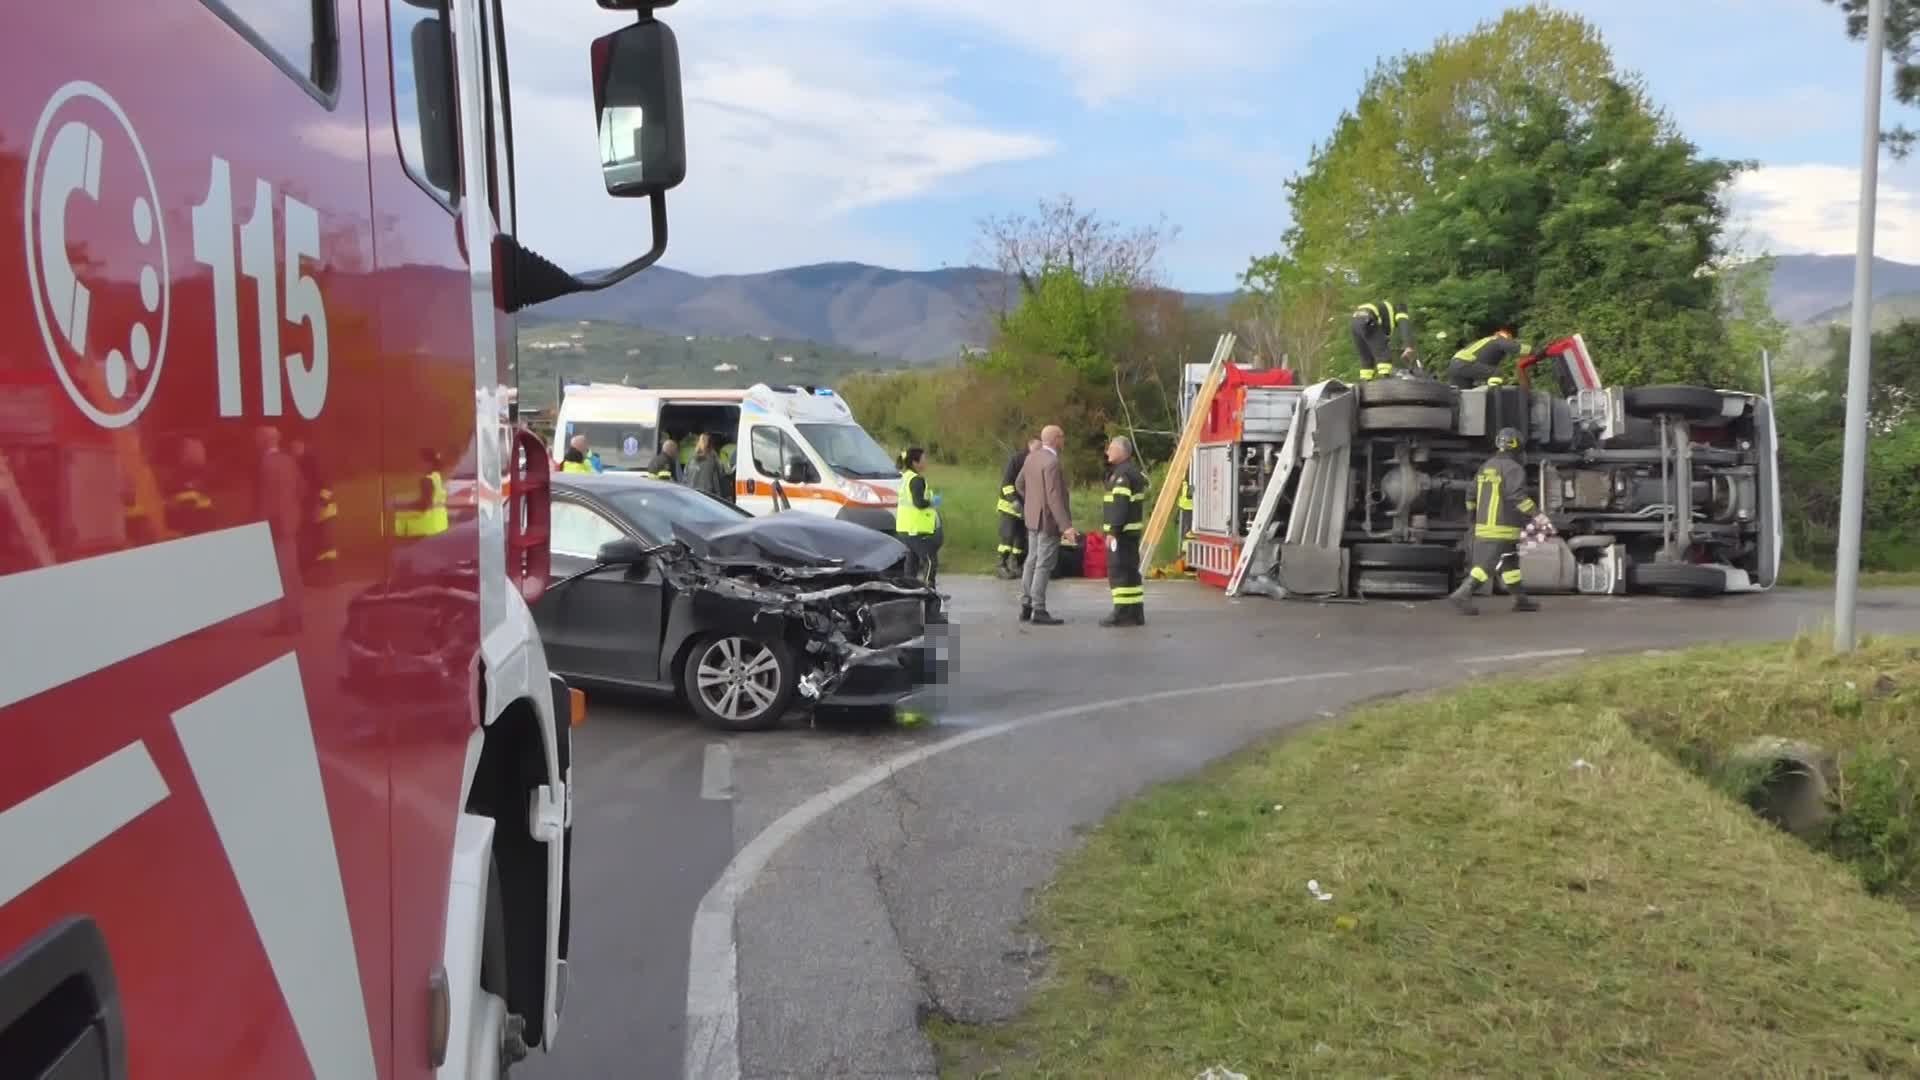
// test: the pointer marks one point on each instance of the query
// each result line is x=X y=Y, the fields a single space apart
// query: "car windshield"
x=850 y=451
x=654 y=509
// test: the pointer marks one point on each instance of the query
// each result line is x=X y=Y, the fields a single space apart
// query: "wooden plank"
x=1163 y=507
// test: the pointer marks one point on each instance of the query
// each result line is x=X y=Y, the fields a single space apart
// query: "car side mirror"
x=643 y=138
x=625 y=551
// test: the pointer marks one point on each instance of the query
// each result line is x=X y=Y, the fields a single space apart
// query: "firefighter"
x=189 y=507
x=1124 y=520
x=1499 y=504
x=1480 y=362
x=575 y=459
x=915 y=519
x=665 y=464
x=316 y=535
x=1376 y=326
x=1013 y=521
x=1186 y=509
x=428 y=515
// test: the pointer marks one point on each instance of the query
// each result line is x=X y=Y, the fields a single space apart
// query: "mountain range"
x=927 y=316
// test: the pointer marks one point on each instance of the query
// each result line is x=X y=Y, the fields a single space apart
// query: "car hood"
x=796 y=541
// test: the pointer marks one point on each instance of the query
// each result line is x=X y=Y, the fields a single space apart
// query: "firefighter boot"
x=1463 y=598
x=1521 y=601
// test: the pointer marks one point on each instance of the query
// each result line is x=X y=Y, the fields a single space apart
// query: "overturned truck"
x=1357 y=491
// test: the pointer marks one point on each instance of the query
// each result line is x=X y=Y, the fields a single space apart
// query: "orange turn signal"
x=577 y=705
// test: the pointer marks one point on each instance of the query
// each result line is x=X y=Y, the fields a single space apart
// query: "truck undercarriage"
x=1669 y=489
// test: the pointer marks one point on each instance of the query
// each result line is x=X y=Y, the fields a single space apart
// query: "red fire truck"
x=284 y=778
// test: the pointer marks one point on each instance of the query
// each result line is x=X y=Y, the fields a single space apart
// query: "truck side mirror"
x=636 y=91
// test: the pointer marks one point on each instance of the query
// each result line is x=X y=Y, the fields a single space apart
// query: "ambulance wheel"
x=1404 y=556
x=1406 y=392
x=1402 y=584
x=1407 y=418
x=1690 y=402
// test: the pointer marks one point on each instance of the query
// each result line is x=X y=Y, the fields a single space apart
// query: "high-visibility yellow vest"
x=1186 y=495
x=575 y=466
x=428 y=522
x=1006 y=505
x=911 y=520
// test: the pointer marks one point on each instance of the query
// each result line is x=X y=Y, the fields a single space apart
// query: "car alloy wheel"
x=737 y=679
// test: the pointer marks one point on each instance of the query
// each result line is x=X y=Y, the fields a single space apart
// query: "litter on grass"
x=1314 y=888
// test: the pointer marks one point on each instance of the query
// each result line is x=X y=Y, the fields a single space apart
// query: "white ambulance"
x=787 y=447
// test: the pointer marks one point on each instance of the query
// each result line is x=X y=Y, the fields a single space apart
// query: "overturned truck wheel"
x=1407 y=392
x=1690 y=402
x=1677 y=579
x=1405 y=556
x=1407 y=418
x=1402 y=584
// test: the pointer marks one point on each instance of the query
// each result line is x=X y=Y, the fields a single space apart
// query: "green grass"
x=1530 y=878
x=1800 y=575
x=967 y=497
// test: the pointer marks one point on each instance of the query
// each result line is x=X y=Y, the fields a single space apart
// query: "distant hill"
x=920 y=316
x=1808 y=341
x=929 y=316
x=1808 y=287
x=589 y=351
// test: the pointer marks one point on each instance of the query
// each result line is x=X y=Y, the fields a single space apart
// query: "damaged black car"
x=659 y=587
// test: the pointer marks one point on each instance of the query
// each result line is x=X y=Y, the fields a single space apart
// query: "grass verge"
x=1800 y=575
x=968 y=495
x=1529 y=877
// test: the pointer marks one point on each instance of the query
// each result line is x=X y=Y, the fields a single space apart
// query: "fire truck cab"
x=285 y=783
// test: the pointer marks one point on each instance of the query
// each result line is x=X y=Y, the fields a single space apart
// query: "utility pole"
x=1853 y=476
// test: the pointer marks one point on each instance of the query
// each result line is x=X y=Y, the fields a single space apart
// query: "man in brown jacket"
x=1042 y=487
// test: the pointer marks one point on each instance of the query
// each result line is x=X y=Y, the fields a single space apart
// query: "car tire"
x=1677 y=579
x=768 y=674
x=1407 y=418
x=1402 y=584
x=1407 y=392
x=1691 y=402
x=1405 y=556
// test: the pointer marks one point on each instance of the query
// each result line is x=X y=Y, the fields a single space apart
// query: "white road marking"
x=716 y=773
x=713 y=990
x=75 y=618
x=250 y=745
x=1514 y=658
x=53 y=827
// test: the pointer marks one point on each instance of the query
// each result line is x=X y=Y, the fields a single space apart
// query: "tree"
x=1291 y=318
x=1444 y=105
x=1903 y=47
x=1600 y=219
x=1061 y=236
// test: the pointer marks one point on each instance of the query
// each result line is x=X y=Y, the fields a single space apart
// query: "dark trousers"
x=1013 y=537
x=1467 y=374
x=1123 y=576
x=923 y=557
x=1495 y=556
x=1370 y=338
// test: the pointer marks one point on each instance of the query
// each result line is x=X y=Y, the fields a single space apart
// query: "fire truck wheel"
x=1407 y=418
x=1441 y=557
x=739 y=683
x=1407 y=392
x=1405 y=584
x=1677 y=578
x=1691 y=402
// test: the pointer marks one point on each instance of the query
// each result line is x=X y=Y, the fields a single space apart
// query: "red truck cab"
x=284 y=778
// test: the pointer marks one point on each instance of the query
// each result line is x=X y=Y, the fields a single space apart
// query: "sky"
x=883 y=131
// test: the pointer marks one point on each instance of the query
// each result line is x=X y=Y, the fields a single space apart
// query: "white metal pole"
x=1853 y=476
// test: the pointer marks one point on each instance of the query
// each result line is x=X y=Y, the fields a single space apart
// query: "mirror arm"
x=577 y=575
x=533 y=279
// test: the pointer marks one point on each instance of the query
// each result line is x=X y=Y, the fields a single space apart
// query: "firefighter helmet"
x=1506 y=439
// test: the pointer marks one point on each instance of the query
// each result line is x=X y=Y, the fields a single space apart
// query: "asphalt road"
x=794 y=903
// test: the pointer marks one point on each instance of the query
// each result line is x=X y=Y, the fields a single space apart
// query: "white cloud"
x=1812 y=210
x=790 y=127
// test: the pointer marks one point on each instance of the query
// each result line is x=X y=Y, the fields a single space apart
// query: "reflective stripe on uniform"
x=1487 y=493
x=1472 y=352
x=1128 y=594
x=1509 y=578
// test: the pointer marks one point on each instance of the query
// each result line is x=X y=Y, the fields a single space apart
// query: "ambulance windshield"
x=850 y=451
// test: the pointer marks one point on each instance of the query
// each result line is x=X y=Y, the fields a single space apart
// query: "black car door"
x=607 y=624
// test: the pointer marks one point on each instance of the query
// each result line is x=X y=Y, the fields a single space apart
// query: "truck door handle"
x=60 y=1007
